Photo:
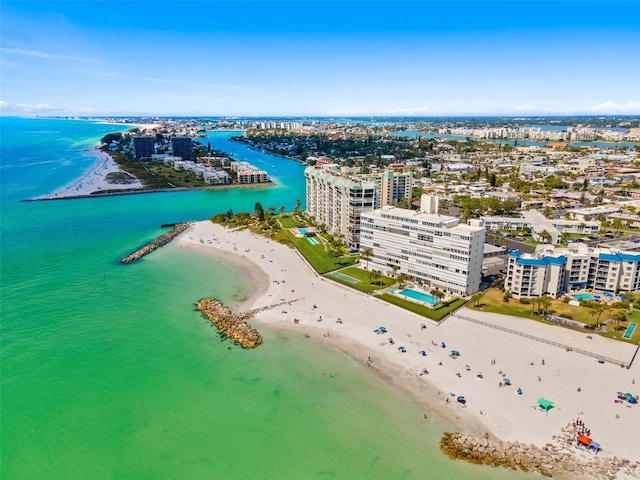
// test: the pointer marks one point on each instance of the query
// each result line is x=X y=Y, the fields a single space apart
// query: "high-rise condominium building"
x=143 y=147
x=436 y=249
x=182 y=147
x=337 y=200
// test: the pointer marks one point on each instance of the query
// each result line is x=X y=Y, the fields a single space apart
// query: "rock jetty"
x=550 y=460
x=162 y=240
x=229 y=324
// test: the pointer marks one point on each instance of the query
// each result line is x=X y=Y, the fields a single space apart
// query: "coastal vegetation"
x=599 y=318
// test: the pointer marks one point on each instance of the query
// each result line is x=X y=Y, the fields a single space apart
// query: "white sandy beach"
x=346 y=319
x=95 y=179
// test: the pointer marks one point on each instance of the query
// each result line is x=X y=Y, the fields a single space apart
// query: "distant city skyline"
x=325 y=58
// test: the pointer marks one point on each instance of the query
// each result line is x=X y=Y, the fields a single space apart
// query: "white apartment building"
x=538 y=224
x=337 y=200
x=248 y=173
x=554 y=272
x=435 y=249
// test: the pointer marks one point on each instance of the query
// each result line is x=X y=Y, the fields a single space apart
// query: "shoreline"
x=93 y=183
x=94 y=179
x=346 y=319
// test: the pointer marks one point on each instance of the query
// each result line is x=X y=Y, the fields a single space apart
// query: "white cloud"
x=420 y=110
x=338 y=113
x=613 y=108
x=525 y=107
x=46 y=55
x=170 y=81
x=26 y=107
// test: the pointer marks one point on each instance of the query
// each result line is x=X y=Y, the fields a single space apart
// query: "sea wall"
x=550 y=460
x=229 y=324
x=162 y=240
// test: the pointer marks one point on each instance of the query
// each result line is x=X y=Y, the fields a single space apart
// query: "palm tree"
x=546 y=236
x=374 y=276
x=545 y=303
x=438 y=294
x=402 y=279
x=630 y=297
x=366 y=254
x=395 y=269
x=476 y=299
x=535 y=305
x=617 y=224
x=599 y=308
x=619 y=316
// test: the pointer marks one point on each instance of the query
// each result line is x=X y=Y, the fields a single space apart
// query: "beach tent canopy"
x=545 y=404
x=583 y=439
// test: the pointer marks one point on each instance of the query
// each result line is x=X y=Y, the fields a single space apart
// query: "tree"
x=281 y=210
x=493 y=179
x=272 y=210
x=438 y=294
x=404 y=203
x=259 y=211
x=617 y=224
x=112 y=137
x=374 y=277
x=395 y=269
x=545 y=236
x=630 y=297
x=296 y=209
x=545 y=302
x=619 y=316
x=598 y=308
x=366 y=254
x=476 y=299
x=506 y=296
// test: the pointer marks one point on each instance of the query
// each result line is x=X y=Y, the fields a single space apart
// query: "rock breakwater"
x=229 y=324
x=550 y=460
x=162 y=240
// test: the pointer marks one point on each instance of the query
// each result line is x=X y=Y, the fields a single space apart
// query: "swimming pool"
x=419 y=296
x=585 y=296
x=629 y=332
x=303 y=230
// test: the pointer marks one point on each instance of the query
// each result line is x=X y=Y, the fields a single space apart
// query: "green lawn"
x=433 y=314
x=317 y=256
x=364 y=284
x=287 y=221
x=616 y=331
x=492 y=301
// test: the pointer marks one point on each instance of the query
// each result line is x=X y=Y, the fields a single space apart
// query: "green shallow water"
x=108 y=372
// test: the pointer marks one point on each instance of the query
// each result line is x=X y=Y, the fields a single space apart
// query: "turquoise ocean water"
x=108 y=372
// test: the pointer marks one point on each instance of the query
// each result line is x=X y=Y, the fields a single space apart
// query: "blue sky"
x=330 y=58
